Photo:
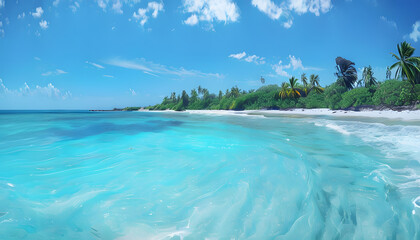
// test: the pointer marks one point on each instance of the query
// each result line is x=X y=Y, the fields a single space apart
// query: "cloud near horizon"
x=250 y=58
x=158 y=69
x=95 y=65
x=48 y=91
x=54 y=73
x=294 y=64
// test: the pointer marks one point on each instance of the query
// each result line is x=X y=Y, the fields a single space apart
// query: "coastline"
x=406 y=115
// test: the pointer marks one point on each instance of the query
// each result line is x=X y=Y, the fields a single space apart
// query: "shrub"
x=356 y=97
x=333 y=94
x=393 y=93
x=313 y=100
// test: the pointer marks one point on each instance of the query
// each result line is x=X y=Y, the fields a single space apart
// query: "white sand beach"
x=390 y=114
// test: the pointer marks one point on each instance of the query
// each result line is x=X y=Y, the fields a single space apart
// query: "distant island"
x=349 y=93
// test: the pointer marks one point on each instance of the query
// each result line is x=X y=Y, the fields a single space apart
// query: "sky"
x=101 y=54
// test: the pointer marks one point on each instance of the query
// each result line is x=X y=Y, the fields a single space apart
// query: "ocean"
x=167 y=175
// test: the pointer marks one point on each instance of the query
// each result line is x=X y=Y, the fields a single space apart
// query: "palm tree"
x=284 y=91
x=304 y=81
x=185 y=98
x=407 y=65
x=173 y=97
x=314 y=80
x=388 y=73
x=368 y=77
x=346 y=72
x=235 y=91
x=194 y=95
x=314 y=84
x=205 y=92
x=294 y=91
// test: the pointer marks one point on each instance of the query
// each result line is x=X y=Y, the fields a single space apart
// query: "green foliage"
x=393 y=93
x=356 y=97
x=388 y=93
x=408 y=66
x=333 y=95
x=367 y=77
x=131 y=109
x=346 y=73
x=313 y=100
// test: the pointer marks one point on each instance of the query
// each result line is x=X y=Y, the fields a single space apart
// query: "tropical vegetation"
x=346 y=92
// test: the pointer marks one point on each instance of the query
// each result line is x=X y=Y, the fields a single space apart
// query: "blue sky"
x=84 y=54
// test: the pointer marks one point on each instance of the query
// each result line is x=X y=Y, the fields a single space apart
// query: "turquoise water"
x=134 y=175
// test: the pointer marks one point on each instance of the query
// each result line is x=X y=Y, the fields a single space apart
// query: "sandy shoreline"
x=403 y=115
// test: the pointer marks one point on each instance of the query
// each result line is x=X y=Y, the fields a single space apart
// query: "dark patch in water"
x=105 y=127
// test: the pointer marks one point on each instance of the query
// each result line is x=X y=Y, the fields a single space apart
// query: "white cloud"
x=250 y=58
x=279 y=69
x=255 y=59
x=117 y=7
x=3 y=88
x=211 y=10
x=43 y=24
x=48 y=91
x=38 y=12
x=155 y=7
x=102 y=4
x=56 y=2
x=1 y=29
x=95 y=64
x=116 y=4
x=268 y=7
x=37 y=58
x=141 y=16
x=238 y=55
x=56 y=72
x=21 y=16
x=74 y=7
x=109 y=76
x=288 y=24
x=153 y=68
x=313 y=6
x=389 y=22
x=415 y=34
x=294 y=64
x=192 y=20
x=2 y=3
x=129 y=64
x=283 y=10
x=142 y=13
x=133 y=93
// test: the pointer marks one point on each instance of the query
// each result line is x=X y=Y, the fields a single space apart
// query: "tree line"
x=348 y=91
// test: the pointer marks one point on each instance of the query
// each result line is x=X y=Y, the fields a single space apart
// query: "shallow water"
x=134 y=175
